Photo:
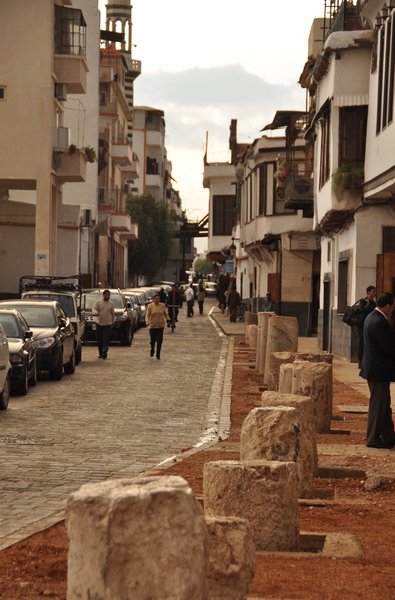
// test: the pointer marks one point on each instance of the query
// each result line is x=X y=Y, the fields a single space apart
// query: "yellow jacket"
x=156 y=315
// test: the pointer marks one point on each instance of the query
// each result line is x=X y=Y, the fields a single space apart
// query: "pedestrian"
x=269 y=304
x=103 y=310
x=200 y=298
x=156 y=317
x=190 y=298
x=162 y=295
x=378 y=367
x=233 y=302
x=367 y=305
x=174 y=302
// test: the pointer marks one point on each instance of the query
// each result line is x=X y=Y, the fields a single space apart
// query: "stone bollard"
x=315 y=380
x=250 y=318
x=232 y=558
x=270 y=433
x=307 y=461
x=263 y=492
x=279 y=358
x=263 y=322
x=282 y=336
x=285 y=378
x=253 y=336
x=247 y=334
x=137 y=538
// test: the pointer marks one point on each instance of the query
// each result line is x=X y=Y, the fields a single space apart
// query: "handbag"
x=353 y=315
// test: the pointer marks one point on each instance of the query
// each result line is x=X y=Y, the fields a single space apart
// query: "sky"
x=205 y=63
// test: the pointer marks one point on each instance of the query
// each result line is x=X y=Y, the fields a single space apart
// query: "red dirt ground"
x=37 y=567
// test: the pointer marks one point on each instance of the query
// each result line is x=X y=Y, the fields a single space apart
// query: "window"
x=386 y=65
x=223 y=214
x=352 y=135
x=2 y=93
x=342 y=287
x=262 y=189
x=70 y=31
x=324 y=151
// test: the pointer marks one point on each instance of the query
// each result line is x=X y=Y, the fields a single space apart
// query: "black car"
x=123 y=327
x=54 y=335
x=22 y=350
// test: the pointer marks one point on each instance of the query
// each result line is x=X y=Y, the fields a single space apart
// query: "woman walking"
x=156 y=318
x=200 y=298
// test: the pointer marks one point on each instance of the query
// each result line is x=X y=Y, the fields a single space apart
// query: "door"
x=385 y=273
x=325 y=322
x=273 y=286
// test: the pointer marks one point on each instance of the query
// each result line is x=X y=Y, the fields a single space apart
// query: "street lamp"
x=232 y=247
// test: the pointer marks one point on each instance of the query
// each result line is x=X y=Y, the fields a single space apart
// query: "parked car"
x=211 y=288
x=22 y=350
x=142 y=302
x=5 y=370
x=65 y=290
x=123 y=327
x=54 y=335
x=135 y=310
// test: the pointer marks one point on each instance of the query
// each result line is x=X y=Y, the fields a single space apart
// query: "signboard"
x=229 y=266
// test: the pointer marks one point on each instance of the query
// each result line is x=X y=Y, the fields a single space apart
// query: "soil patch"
x=37 y=567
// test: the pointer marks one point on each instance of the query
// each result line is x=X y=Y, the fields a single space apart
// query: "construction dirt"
x=355 y=561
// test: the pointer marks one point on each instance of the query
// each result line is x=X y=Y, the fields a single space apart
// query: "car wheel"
x=33 y=376
x=5 y=394
x=69 y=367
x=57 y=373
x=78 y=354
x=23 y=386
x=126 y=340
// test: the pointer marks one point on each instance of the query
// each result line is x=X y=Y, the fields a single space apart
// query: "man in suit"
x=378 y=367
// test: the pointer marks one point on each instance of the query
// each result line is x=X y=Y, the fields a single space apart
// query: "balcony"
x=123 y=224
x=153 y=181
x=134 y=68
x=121 y=152
x=69 y=167
x=72 y=71
x=70 y=65
x=155 y=138
x=131 y=171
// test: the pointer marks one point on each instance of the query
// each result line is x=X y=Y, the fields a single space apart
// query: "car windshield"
x=10 y=325
x=91 y=298
x=37 y=316
x=66 y=302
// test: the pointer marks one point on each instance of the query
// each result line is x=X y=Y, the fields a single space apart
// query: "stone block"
x=263 y=323
x=307 y=461
x=279 y=358
x=232 y=558
x=282 y=336
x=253 y=336
x=315 y=380
x=270 y=433
x=263 y=492
x=139 y=538
x=285 y=378
x=250 y=318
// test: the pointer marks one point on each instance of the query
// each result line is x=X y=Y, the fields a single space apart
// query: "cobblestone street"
x=112 y=418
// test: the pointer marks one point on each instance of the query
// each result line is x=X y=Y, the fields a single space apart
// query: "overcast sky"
x=209 y=62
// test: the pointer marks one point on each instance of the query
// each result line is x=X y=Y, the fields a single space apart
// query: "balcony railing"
x=121 y=151
x=70 y=167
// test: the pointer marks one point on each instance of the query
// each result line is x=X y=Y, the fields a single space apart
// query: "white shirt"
x=189 y=294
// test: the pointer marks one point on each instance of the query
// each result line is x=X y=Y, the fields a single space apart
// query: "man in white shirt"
x=190 y=297
x=103 y=309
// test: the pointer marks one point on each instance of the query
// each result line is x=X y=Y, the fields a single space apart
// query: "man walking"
x=156 y=317
x=190 y=298
x=233 y=302
x=174 y=301
x=378 y=367
x=367 y=305
x=103 y=309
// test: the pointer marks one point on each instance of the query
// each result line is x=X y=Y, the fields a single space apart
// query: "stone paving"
x=113 y=418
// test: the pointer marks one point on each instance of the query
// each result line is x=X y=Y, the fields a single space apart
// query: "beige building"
x=34 y=154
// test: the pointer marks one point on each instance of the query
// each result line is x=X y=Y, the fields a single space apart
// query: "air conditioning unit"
x=300 y=188
x=63 y=137
x=61 y=92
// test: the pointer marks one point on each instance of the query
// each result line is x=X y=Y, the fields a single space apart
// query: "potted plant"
x=347 y=176
x=72 y=149
x=283 y=170
x=90 y=153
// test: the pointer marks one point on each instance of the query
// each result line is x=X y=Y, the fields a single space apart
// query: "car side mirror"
x=63 y=322
x=28 y=334
x=128 y=305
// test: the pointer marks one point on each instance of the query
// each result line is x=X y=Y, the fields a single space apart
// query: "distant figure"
x=190 y=298
x=268 y=304
x=233 y=302
x=223 y=284
x=200 y=298
x=103 y=310
x=156 y=317
x=174 y=302
x=162 y=295
x=367 y=305
x=378 y=367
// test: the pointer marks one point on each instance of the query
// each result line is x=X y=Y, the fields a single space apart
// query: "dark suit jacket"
x=378 y=363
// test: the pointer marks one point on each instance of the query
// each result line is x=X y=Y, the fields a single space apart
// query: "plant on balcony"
x=72 y=149
x=90 y=153
x=349 y=176
x=283 y=170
